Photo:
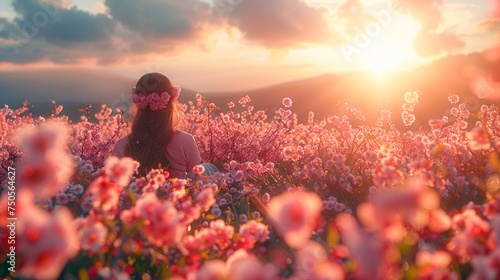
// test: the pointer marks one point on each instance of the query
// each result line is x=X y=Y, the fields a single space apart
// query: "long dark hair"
x=152 y=131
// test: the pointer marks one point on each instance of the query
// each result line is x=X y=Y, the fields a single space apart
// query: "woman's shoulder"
x=183 y=139
x=119 y=149
x=122 y=141
x=182 y=135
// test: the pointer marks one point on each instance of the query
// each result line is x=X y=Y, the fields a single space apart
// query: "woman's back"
x=182 y=152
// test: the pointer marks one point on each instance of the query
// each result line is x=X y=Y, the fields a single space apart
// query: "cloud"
x=492 y=25
x=44 y=30
x=280 y=23
x=351 y=15
x=429 y=44
x=157 y=19
x=31 y=51
x=51 y=30
x=101 y=7
x=54 y=30
x=61 y=26
x=430 y=40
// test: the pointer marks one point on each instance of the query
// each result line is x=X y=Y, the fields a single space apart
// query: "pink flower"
x=161 y=221
x=453 y=99
x=62 y=199
x=486 y=267
x=139 y=99
x=205 y=199
x=198 y=169
x=287 y=102
x=238 y=175
x=46 y=166
x=411 y=97
x=253 y=232
x=242 y=266
x=363 y=247
x=128 y=217
x=312 y=263
x=439 y=221
x=87 y=205
x=478 y=139
x=120 y=170
x=154 y=100
x=243 y=218
x=157 y=102
x=294 y=216
x=88 y=167
x=438 y=259
x=47 y=138
x=58 y=109
x=392 y=212
x=471 y=234
x=222 y=233
x=76 y=189
x=45 y=241
x=408 y=119
x=266 y=198
x=216 y=212
x=210 y=270
x=175 y=92
x=45 y=178
x=93 y=235
x=104 y=193
x=325 y=271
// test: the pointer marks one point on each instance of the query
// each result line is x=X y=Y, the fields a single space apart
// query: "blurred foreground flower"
x=45 y=241
x=161 y=221
x=120 y=170
x=294 y=216
x=46 y=166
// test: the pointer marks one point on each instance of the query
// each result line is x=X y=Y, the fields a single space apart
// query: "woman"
x=154 y=141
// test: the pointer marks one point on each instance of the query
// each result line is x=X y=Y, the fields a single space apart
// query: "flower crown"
x=154 y=100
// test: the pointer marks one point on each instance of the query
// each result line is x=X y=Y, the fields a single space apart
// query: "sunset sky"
x=238 y=44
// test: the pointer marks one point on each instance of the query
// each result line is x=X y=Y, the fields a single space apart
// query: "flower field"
x=325 y=199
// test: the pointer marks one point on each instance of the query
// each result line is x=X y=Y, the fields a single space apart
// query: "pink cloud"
x=281 y=23
x=430 y=41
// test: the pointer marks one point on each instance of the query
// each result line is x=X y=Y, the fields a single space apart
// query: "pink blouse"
x=182 y=152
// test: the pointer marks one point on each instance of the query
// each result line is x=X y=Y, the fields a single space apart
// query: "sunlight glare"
x=393 y=48
x=382 y=58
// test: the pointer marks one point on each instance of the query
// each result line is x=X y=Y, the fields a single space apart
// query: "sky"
x=239 y=44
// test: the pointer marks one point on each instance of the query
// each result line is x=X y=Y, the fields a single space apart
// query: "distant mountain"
x=63 y=85
x=73 y=88
x=362 y=90
x=365 y=92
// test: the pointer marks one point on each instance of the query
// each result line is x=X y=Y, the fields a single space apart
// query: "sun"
x=392 y=49
x=383 y=58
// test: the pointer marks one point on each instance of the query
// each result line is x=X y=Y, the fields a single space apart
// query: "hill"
x=369 y=93
x=362 y=90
